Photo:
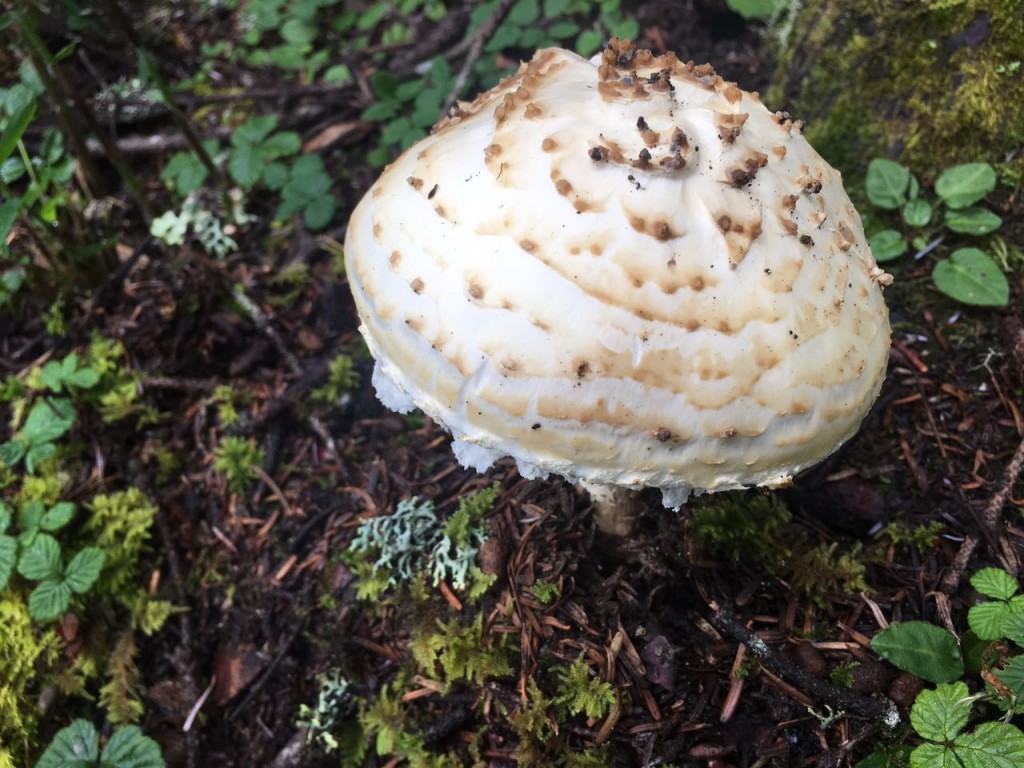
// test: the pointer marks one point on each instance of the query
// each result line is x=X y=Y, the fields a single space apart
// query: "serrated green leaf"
x=1013 y=627
x=887 y=183
x=76 y=746
x=280 y=145
x=184 y=173
x=83 y=378
x=922 y=649
x=887 y=245
x=589 y=42
x=319 y=212
x=245 y=166
x=991 y=745
x=972 y=277
x=129 y=748
x=627 y=29
x=917 y=213
x=972 y=221
x=49 y=600
x=756 y=9
x=254 y=130
x=1012 y=675
x=964 y=185
x=37 y=454
x=933 y=756
x=5 y=517
x=48 y=419
x=84 y=569
x=379 y=112
x=986 y=619
x=12 y=452
x=941 y=714
x=524 y=12
x=41 y=559
x=298 y=31
x=29 y=518
x=8 y=558
x=57 y=516
x=995 y=583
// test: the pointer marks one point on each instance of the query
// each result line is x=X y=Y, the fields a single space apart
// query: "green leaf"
x=887 y=183
x=57 y=516
x=563 y=30
x=973 y=221
x=12 y=452
x=379 y=112
x=922 y=649
x=964 y=185
x=184 y=173
x=275 y=175
x=932 y=756
x=245 y=166
x=554 y=8
x=16 y=125
x=41 y=560
x=940 y=715
x=893 y=757
x=48 y=419
x=1012 y=675
x=972 y=277
x=8 y=558
x=49 y=600
x=887 y=245
x=627 y=29
x=298 y=32
x=756 y=9
x=5 y=517
x=84 y=569
x=1013 y=626
x=83 y=378
x=29 y=519
x=37 y=454
x=524 y=12
x=8 y=213
x=319 y=212
x=254 y=130
x=992 y=745
x=280 y=145
x=588 y=43
x=76 y=746
x=995 y=583
x=917 y=213
x=129 y=748
x=986 y=619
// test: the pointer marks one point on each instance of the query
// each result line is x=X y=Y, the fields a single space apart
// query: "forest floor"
x=888 y=529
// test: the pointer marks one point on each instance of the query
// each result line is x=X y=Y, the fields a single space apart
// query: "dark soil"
x=271 y=604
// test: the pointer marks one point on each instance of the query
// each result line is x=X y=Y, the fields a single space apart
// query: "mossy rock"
x=930 y=83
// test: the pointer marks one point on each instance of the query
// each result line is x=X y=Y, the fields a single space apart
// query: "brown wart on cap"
x=691 y=332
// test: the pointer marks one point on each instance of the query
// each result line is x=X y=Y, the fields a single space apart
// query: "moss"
x=23 y=648
x=930 y=82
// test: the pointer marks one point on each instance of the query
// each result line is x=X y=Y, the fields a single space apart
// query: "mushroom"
x=624 y=271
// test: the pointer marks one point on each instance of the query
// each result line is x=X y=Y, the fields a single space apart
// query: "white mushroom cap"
x=625 y=271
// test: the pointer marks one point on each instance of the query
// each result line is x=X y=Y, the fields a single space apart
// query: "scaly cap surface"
x=625 y=271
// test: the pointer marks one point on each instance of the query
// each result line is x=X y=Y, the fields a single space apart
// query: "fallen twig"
x=725 y=621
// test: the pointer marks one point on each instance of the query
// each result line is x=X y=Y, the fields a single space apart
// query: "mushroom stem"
x=616 y=509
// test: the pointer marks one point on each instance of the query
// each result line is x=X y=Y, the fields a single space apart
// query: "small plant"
x=78 y=746
x=968 y=274
x=461 y=652
x=756 y=9
x=341 y=378
x=37 y=555
x=940 y=716
x=236 y=457
x=579 y=692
